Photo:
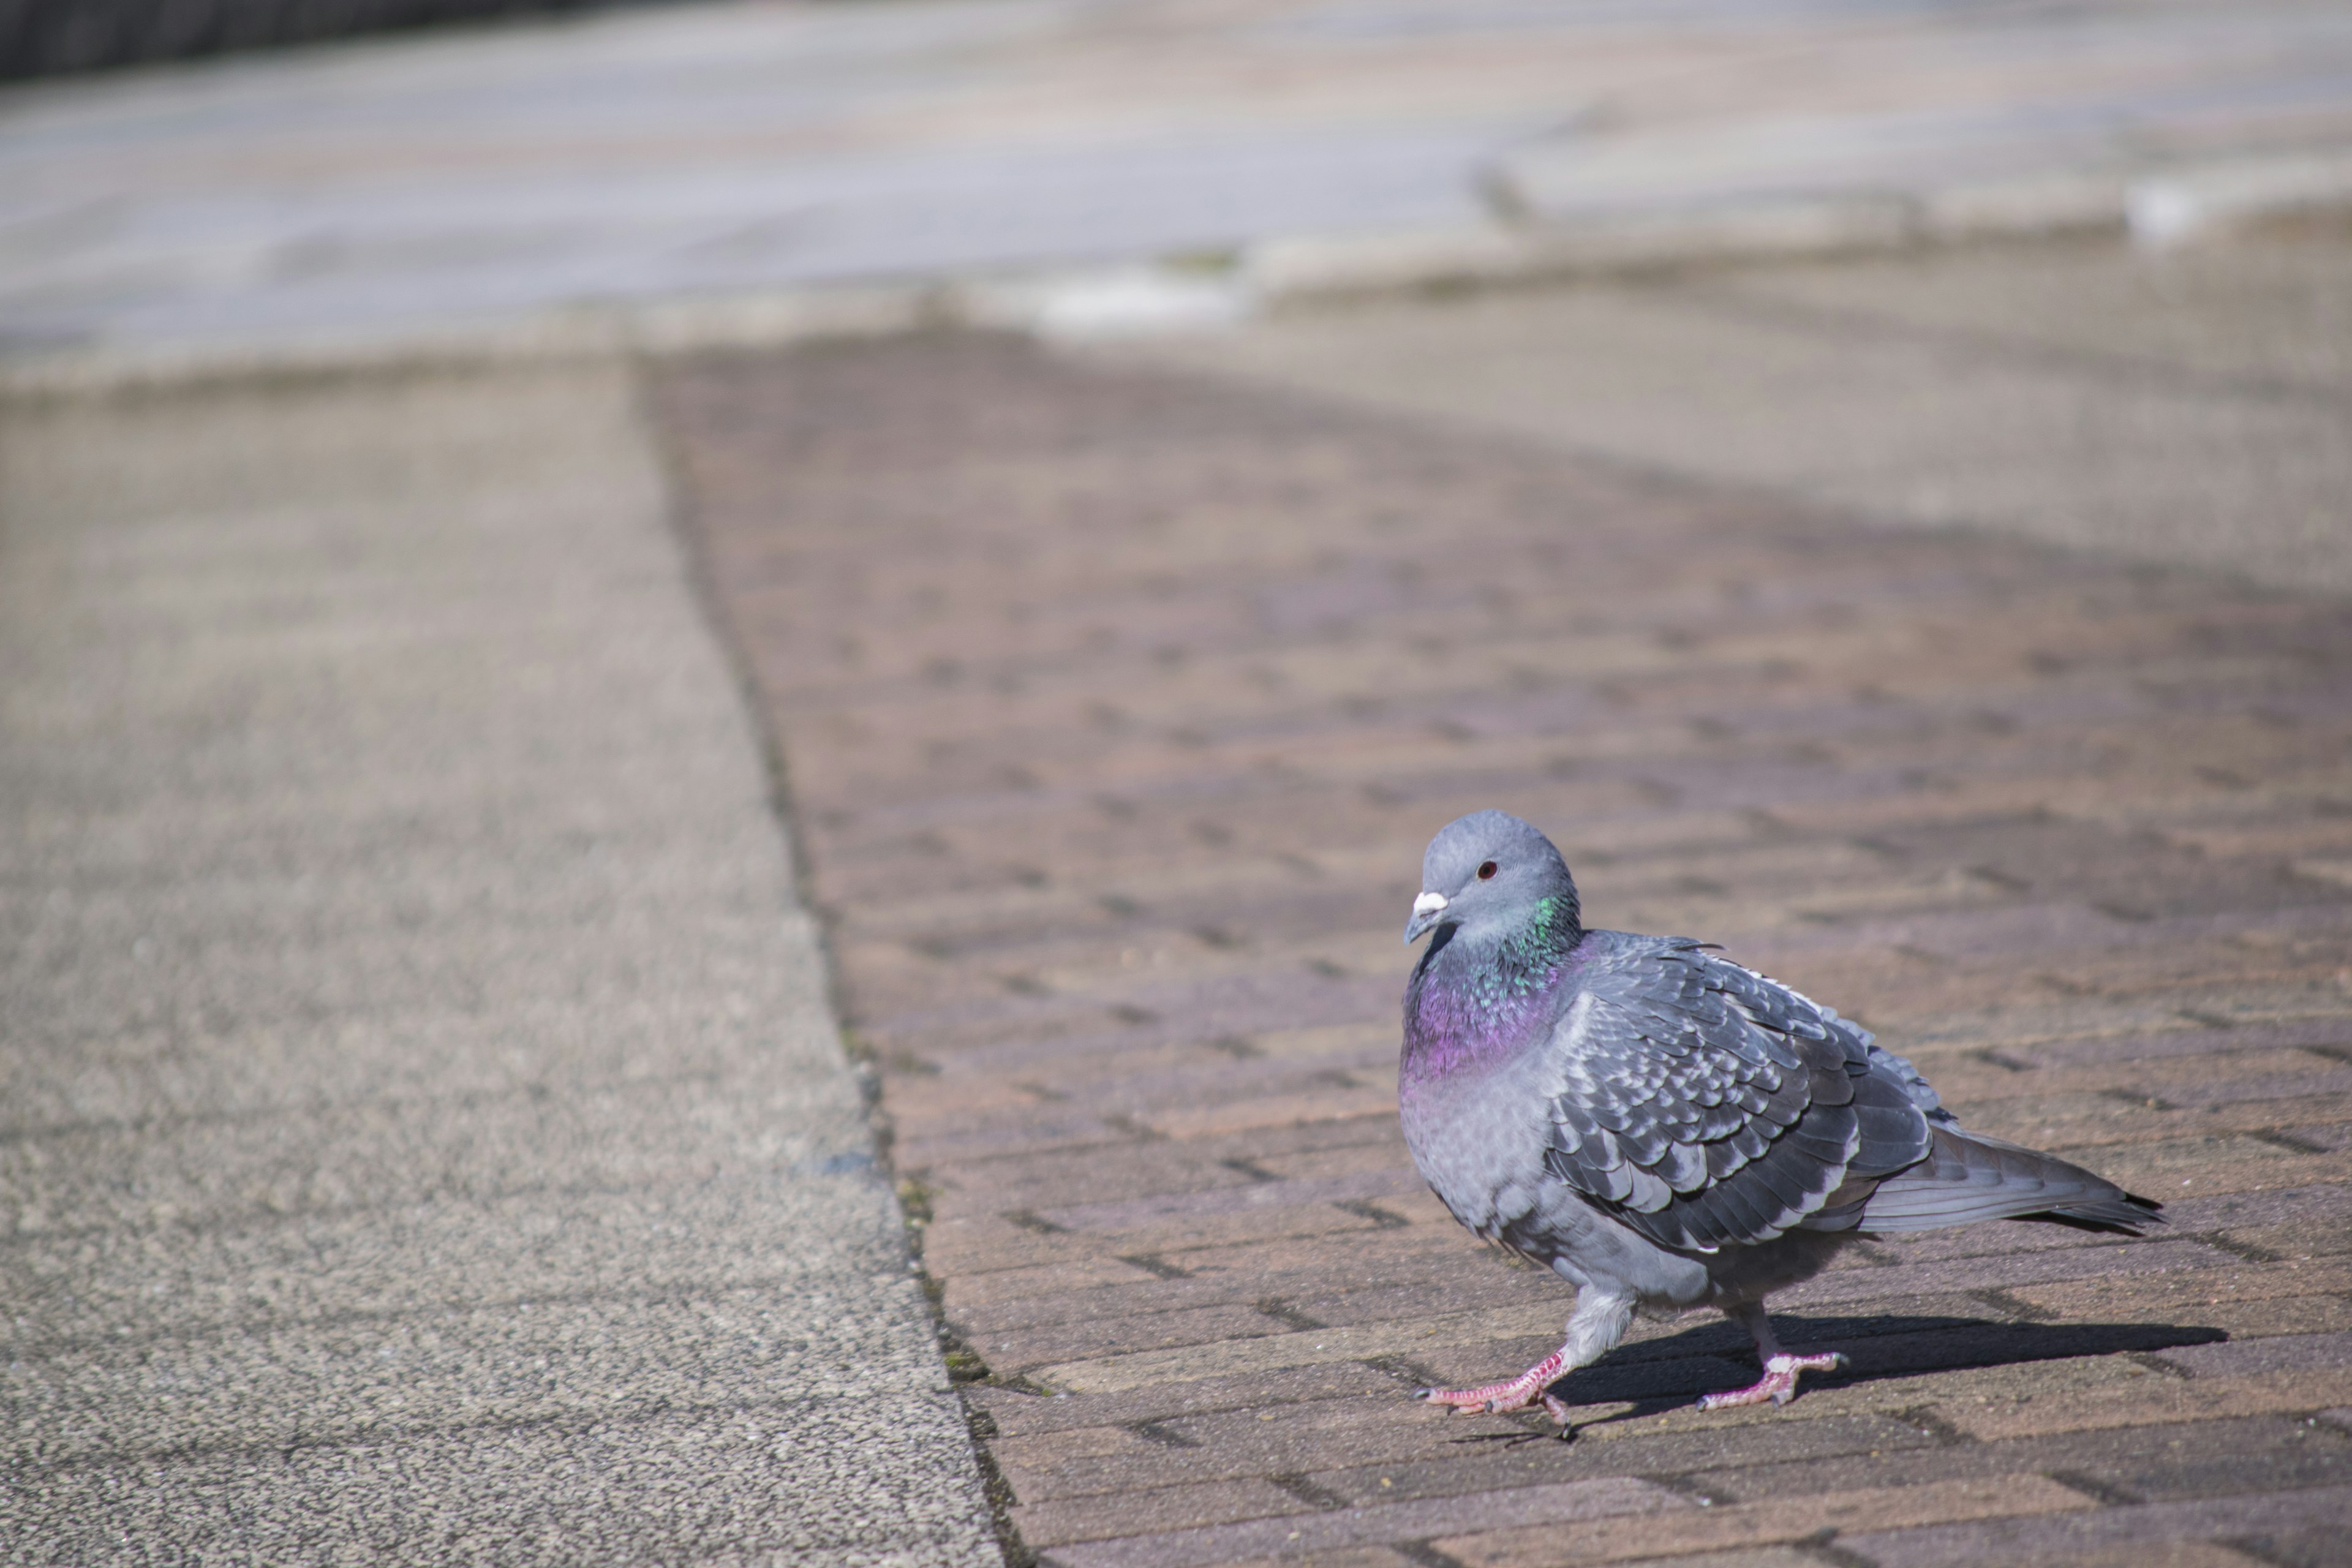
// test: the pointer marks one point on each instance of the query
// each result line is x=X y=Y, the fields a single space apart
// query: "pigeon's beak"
x=1426 y=910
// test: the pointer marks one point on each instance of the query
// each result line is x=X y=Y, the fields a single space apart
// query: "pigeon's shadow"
x=1661 y=1373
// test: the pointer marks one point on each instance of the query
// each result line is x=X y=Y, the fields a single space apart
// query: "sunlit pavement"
x=1119 y=692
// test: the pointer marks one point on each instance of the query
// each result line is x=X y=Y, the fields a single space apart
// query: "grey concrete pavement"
x=721 y=151
x=2188 y=408
x=424 y=1134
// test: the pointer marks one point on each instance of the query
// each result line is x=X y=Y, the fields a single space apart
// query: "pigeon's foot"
x=1517 y=1394
x=1599 y=1322
x=1778 y=1382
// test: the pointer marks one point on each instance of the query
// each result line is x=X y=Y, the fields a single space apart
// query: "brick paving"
x=1116 y=706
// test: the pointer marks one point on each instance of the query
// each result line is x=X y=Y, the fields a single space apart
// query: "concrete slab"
x=423 y=1130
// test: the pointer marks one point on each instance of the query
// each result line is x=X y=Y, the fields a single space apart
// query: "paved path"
x=425 y=1138
x=481 y=175
x=1119 y=702
x=2188 y=407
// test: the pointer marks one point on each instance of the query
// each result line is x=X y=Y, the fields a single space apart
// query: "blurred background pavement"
x=1265 y=148
x=2188 y=405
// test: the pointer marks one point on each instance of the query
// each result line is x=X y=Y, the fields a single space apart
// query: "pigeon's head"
x=1489 y=870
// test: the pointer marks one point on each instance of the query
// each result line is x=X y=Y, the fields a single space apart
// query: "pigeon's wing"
x=1708 y=1107
x=1885 y=1063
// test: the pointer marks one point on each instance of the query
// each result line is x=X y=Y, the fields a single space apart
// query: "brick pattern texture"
x=1116 y=708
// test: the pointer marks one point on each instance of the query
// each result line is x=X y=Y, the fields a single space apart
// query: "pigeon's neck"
x=1479 y=996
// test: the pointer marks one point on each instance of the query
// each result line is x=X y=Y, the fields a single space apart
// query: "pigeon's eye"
x=1486 y=872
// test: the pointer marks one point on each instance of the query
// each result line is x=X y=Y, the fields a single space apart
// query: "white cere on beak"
x=1429 y=903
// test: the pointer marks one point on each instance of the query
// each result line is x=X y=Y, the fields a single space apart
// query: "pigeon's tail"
x=1968 y=1177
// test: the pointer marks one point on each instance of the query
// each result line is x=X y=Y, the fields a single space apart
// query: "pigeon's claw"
x=1778 y=1382
x=1492 y=1398
x=1517 y=1394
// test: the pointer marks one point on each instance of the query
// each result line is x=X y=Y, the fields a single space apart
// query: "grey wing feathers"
x=1968 y=1177
x=1706 y=1106
x=1899 y=1068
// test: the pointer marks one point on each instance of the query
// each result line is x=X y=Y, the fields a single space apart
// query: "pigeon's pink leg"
x=1778 y=1382
x=1593 y=1331
x=1516 y=1394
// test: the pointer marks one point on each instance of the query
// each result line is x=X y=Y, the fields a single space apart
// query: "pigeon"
x=1662 y=1128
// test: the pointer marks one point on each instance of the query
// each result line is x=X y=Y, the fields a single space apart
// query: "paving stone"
x=1347 y=1341
x=1229 y=1445
x=2112 y=1402
x=2304 y=1275
x=1749 y=1523
x=1116 y=704
x=2158 y=1554
x=1138 y=1509
x=1345 y=1557
x=2137 y=1464
x=1018 y=1412
x=1539 y=1457
x=1574 y=1502
x=2297 y=1353
x=2254 y=1517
